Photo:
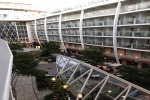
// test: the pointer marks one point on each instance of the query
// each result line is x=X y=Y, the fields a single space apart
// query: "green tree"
x=50 y=48
x=24 y=63
x=94 y=55
x=135 y=75
x=15 y=46
x=129 y=73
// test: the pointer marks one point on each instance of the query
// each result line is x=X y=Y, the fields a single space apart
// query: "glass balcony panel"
x=143 y=20
x=145 y=4
x=131 y=7
x=125 y=34
x=99 y=34
x=110 y=22
x=108 y=43
x=126 y=45
x=98 y=43
x=110 y=33
x=141 y=46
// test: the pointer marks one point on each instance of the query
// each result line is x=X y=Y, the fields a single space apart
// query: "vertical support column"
x=36 y=33
x=80 y=28
x=16 y=30
x=60 y=35
x=115 y=31
x=45 y=29
x=29 y=32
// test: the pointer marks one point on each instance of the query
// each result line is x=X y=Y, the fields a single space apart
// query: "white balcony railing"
x=6 y=61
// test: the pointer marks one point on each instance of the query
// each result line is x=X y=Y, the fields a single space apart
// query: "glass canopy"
x=95 y=84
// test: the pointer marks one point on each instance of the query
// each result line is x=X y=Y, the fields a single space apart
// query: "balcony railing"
x=52 y=20
x=6 y=62
x=134 y=34
x=100 y=12
x=134 y=46
x=107 y=43
x=142 y=20
x=134 y=7
x=110 y=33
x=101 y=23
x=52 y=33
x=123 y=44
x=70 y=33
x=40 y=22
x=52 y=26
x=141 y=46
x=98 y=43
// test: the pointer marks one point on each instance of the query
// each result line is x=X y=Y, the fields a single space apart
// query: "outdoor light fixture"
x=123 y=96
x=109 y=91
x=136 y=57
x=107 y=52
x=120 y=54
x=79 y=95
x=65 y=86
x=53 y=79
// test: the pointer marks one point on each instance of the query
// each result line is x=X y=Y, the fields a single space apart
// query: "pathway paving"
x=24 y=87
x=48 y=67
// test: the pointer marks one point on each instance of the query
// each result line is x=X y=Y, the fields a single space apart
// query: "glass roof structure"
x=95 y=84
x=52 y=5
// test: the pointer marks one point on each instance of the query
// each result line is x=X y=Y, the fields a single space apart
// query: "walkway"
x=24 y=87
x=48 y=67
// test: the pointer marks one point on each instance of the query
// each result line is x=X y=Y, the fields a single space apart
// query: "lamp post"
x=80 y=96
x=65 y=86
x=54 y=87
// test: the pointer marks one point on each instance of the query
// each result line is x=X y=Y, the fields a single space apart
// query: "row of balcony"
x=53 y=33
x=32 y=23
x=40 y=33
x=103 y=43
x=72 y=40
x=109 y=33
x=70 y=25
x=52 y=19
x=69 y=33
x=40 y=27
x=134 y=7
x=142 y=20
x=54 y=39
x=134 y=34
x=100 y=13
x=134 y=45
x=42 y=38
x=52 y=26
x=98 y=23
x=70 y=17
x=40 y=22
